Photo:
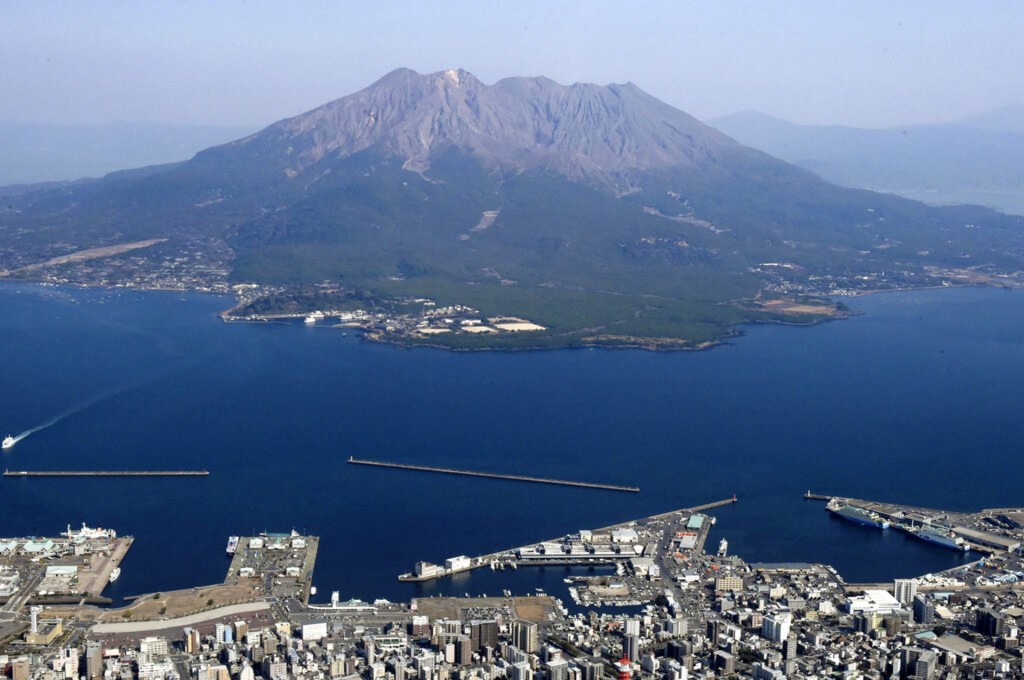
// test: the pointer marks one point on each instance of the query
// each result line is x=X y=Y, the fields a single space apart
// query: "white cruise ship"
x=943 y=537
x=88 y=533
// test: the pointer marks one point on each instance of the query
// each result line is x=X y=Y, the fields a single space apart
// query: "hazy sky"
x=863 y=63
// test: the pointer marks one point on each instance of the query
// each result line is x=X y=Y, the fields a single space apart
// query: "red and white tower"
x=625 y=668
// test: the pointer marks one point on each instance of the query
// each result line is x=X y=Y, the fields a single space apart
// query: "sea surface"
x=918 y=399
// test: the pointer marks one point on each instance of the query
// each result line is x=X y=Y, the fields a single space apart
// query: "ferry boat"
x=941 y=536
x=8 y=442
x=88 y=534
x=232 y=544
x=116 y=574
x=856 y=514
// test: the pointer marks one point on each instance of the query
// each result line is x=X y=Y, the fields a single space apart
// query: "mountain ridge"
x=939 y=163
x=1009 y=118
x=518 y=123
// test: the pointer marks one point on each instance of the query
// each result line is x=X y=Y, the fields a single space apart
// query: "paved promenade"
x=146 y=626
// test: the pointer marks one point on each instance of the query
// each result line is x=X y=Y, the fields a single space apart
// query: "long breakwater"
x=106 y=473
x=495 y=475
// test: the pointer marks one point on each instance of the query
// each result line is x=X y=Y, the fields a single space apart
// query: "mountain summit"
x=581 y=131
x=600 y=213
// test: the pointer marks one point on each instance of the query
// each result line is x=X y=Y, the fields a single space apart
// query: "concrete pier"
x=712 y=506
x=508 y=558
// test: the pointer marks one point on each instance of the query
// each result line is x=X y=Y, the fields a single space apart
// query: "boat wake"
x=49 y=423
x=104 y=396
x=78 y=408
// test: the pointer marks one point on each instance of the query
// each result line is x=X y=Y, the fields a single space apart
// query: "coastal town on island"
x=201 y=265
x=668 y=603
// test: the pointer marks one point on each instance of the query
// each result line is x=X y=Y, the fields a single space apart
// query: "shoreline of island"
x=836 y=312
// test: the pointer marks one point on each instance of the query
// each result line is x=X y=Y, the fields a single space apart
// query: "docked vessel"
x=232 y=544
x=88 y=534
x=941 y=536
x=856 y=514
x=8 y=442
x=116 y=574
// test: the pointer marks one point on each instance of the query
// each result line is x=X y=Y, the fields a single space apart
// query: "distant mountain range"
x=1004 y=119
x=598 y=212
x=35 y=153
x=979 y=159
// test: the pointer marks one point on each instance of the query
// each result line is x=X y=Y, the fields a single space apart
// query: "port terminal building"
x=988 y=540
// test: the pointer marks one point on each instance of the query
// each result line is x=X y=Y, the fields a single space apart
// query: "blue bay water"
x=916 y=400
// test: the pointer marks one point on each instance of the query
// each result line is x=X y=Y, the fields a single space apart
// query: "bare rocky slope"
x=581 y=131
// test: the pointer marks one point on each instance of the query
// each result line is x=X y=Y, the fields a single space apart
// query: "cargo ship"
x=941 y=536
x=232 y=544
x=856 y=514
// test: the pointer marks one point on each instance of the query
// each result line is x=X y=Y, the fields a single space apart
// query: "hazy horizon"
x=248 y=128
x=234 y=64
